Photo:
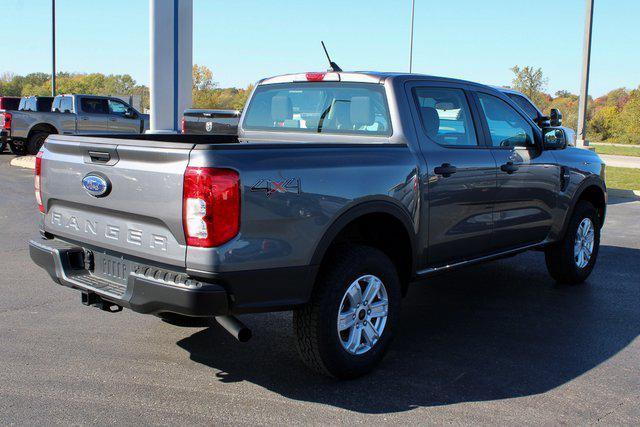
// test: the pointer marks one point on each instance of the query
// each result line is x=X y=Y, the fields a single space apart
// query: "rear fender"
x=352 y=213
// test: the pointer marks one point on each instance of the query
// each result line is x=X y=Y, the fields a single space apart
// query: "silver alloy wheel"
x=583 y=246
x=363 y=314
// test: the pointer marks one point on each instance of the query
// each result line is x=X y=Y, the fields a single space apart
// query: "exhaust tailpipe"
x=235 y=327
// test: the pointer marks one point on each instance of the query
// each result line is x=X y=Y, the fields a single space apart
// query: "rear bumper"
x=147 y=290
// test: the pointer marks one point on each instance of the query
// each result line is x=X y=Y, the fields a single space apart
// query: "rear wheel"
x=19 y=149
x=572 y=260
x=346 y=328
x=36 y=141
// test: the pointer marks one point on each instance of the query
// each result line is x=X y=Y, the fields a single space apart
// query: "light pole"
x=581 y=140
x=53 y=47
x=413 y=9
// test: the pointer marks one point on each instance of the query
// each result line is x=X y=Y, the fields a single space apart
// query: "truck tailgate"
x=141 y=213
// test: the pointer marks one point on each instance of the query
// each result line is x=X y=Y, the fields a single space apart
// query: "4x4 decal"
x=283 y=185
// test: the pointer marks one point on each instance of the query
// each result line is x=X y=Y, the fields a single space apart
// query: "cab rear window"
x=320 y=107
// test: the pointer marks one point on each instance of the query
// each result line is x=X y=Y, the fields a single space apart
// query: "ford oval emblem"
x=96 y=184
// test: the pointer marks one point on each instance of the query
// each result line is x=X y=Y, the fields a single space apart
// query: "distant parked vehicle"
x=7 y=103
x=207 y=122
x=553 y=119
x=27 y=129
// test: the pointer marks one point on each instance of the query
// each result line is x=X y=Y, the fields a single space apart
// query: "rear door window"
x=445 y=115
x=94 y=106
x=320 y=107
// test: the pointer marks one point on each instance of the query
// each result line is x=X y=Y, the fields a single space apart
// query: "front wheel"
x=346 y=328
x=572 y=260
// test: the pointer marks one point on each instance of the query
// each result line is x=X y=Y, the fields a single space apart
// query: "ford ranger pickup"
x=338 y=191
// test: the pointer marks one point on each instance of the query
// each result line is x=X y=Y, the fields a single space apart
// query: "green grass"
x=623 y=178
x=618 y=150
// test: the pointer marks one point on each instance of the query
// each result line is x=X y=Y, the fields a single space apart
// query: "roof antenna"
x=332 y=65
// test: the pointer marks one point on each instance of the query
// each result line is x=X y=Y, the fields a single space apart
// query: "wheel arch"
x=42 y=127
x=403 y=248
x=594 y=191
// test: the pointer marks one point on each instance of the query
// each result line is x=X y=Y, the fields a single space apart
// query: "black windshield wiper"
x=322 y=116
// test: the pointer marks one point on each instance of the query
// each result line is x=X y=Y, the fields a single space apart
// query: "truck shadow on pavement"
x=495 y=331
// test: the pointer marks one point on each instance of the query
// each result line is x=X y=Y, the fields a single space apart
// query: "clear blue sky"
x=244 y=40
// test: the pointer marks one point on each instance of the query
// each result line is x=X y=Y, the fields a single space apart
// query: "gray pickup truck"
x=339 y=190
x=26 y=130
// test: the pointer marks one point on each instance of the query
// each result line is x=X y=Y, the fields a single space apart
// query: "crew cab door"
x=528 y=178
x=119 y=121
x=93 y=113
x=460 y=179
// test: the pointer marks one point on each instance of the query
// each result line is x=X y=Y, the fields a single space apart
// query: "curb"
x=27 y=162
x=623 y=194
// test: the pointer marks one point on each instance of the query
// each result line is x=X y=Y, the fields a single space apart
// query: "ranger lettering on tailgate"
x=129 y=235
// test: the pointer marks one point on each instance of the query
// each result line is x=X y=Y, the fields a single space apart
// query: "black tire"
x=3 y=146
x=19 y=149
x=315 y=324
x=560 y=258
x=36 y=141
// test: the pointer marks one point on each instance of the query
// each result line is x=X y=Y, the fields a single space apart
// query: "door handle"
x=84 y=118
x=446 y=170
x=113 y=119
x=509 y=168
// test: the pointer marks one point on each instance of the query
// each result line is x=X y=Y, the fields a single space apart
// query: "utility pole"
x=413 y=9
x=53 y=47
x=581 y=140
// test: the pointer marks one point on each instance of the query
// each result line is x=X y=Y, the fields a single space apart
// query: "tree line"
x=614 y=117
x=206 y=93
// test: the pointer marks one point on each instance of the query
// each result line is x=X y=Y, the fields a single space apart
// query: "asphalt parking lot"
x=494 y=344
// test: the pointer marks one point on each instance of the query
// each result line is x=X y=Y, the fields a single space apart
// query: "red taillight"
x=210 y=206
x=6 y=121
x=183 y=125
x=37 y=182
x=315 y=77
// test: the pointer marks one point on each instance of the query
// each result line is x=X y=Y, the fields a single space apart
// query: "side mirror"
x=554 y=139
x=130 y=114
x=555 y=117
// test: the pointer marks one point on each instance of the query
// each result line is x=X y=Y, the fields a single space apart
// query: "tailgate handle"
x=99 y=156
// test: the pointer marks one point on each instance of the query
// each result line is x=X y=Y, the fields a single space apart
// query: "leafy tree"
x=564 y=94
x=630 y=119
x=202 y=78
x=531 y=82
x=605 y=123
